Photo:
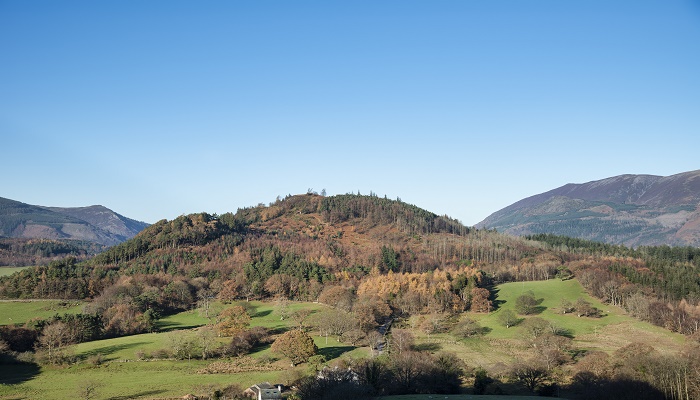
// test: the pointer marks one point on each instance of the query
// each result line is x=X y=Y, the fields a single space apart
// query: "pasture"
x=4 y=271
x=21 y=311
x=130 y=367
x=130 y=371
x=501 y=345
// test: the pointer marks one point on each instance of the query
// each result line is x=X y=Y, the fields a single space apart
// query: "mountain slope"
x=627 y=209
x=95 y=224
x=102 y=217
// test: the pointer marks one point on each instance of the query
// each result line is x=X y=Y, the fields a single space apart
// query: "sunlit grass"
x=506 y=345
x=21 y=311
x=4 y=271
x=125 y=375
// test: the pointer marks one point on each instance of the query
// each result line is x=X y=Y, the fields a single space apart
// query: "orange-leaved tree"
x=297 y=345
x=232 y=320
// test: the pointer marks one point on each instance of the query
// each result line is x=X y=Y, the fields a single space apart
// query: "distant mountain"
x=96 y=224
x=632 y=210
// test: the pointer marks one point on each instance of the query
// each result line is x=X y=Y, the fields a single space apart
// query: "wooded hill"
x=409 y=259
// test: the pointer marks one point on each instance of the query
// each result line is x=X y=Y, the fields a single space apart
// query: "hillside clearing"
x=4 y=271
x=21 y=311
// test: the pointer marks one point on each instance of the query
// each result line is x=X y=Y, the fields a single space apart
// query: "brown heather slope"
x=333 y=234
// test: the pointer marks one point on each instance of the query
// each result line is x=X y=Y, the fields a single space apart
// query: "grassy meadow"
x=4 y=271
x=130 y=371
x=501 y=345
x=21 y=311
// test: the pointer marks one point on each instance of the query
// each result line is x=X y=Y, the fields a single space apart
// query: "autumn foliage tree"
x=296 y=345
x=480 y=300
x=232 y=320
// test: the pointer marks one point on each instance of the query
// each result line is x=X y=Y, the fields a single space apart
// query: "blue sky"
x=161 y=108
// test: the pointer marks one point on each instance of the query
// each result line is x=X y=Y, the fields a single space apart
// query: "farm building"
x=264 y=391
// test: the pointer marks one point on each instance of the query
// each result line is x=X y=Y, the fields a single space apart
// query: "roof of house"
x=266 y=390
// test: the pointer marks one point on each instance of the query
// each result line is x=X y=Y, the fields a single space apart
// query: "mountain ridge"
x=626 y=209
x=96 y=224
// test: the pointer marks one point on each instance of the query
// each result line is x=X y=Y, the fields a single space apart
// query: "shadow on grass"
x=568 y=333
x=515 y=323
x=493 y=296
x=334 y=352
x=166 y=326
x=484 y=330
x=11 y=374
x=278 y=330
x=136 y=395
x=538 y=310
x=427 y=347
x=260 y=314
x=107 y=350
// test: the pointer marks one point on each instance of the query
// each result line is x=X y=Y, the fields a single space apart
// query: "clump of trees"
x=402 y=372
x=296 y=345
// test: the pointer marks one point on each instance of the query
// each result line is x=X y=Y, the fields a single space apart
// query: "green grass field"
x=504 y=345
x=4 y=271
x=552 y=291
x=21 y=311
x=124 y=375
x=127 y=380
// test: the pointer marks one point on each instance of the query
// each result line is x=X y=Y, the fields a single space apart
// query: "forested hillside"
x=23 y=252
x=369 y=260
x=301 y=246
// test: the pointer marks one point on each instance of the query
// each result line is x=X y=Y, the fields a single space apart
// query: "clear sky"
x=161 y=108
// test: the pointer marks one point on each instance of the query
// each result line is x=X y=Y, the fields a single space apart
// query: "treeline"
x=670 y=272
x=62 y=279
x=657 y=284
x=678 y=254
x=23 y=252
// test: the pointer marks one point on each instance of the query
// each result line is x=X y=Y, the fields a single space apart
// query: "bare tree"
x=87 y=389
x=204 y=299
x=53 y=338
x=299 y=316
x=207 y=340
x=375 y=340
x=401 y=340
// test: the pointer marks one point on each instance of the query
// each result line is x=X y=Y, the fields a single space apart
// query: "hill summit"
x=632 y=210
